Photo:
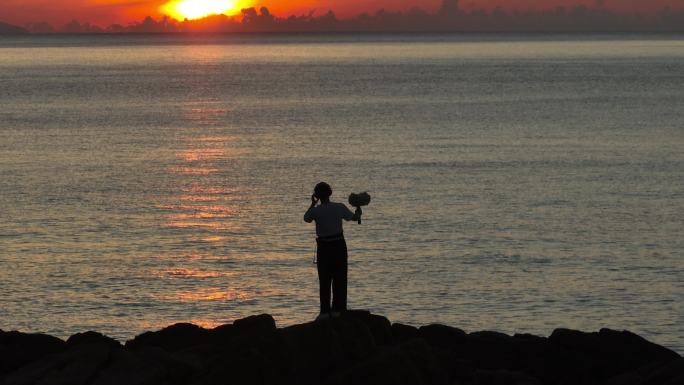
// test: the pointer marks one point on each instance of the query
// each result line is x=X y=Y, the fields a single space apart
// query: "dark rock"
x=606 y=341
x=356 y=348
x=490 y=350
x=18 y=349
x=379 y=326
x=319 y=348
x=247 y=327
x=409 y=362
x=460 y=371
x=529 y=337
x=263 y=323
x=269 y=352
x=678 y=380
x=172 y=338
x=402 y=332
x=608 y=353
x=490 y=336
x=630 y=344
x=629 y=378
x=445 y=337
x=670 y=373
x=201 y=355
x=433 y=369
x=504 y=377
x=255 y=337
x=75 y=366
x=223 y=334
x=389 y=366
x=93 y=338
x=245 y=367
x=130 y=368
x=179 y=367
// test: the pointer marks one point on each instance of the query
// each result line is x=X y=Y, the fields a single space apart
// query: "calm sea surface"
x=519 y=183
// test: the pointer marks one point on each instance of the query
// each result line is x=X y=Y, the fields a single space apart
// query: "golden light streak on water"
x=213 y=239
x=194 y=170
x=203 y=198
x=190 y=273
x=199 y=224
x=203 y=154
x=215 y=294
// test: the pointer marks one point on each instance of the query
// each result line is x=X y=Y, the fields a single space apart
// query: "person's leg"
x=324 y=277
x=339 y=277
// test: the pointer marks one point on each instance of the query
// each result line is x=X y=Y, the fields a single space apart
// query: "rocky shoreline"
x=356 y=348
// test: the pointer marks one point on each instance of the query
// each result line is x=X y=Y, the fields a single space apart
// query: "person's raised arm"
x=308 y=217
x=349 y=216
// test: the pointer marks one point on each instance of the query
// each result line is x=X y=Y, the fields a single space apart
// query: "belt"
x=330 y=238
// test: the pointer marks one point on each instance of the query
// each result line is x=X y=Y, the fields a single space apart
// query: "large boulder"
x=18 y=349
x=667 y=373
x=175 y=337
x=263 y=323
x=248 y=366
x=409 y=362
x=442 y=336
x=180 y=368
x=92 y=338
x=388 y=366
x=401 y=332
x=130 y=368
x=75 y=366
x=600 y=356
x=257 y=325
x=504 y=377
x=319 y=348
x=379 y=326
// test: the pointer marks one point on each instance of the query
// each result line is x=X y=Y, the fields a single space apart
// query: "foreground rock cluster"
x=357 y=348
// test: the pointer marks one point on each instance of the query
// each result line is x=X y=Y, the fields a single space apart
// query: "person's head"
x=323 y=191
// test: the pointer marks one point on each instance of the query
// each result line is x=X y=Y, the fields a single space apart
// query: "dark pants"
x=332 y=269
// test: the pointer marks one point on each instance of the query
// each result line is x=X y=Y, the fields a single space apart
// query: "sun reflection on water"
x=194 y=170
x=217 y=209
x=204 y=112
x=199 y=224
x=202 y=157
x=211 y=239
x=198 y=257
x=201 y=212
x=201 y=198
x=211 y=294
x=190 y=273
x=202 y=154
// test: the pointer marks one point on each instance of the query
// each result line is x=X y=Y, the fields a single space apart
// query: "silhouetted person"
x=331 y=252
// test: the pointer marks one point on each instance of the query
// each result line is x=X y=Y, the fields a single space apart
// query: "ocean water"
x=520 y=183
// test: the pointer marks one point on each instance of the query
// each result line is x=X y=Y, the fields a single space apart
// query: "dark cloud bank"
x=449 y=18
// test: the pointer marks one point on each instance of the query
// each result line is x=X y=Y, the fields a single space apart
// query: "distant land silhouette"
x=8 y=29
x=450 y=17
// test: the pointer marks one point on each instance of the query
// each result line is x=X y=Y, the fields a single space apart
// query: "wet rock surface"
x=356 y=348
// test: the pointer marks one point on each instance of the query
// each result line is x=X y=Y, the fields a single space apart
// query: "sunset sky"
x=105 y=12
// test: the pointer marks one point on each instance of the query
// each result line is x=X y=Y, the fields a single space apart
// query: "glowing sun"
x=195 y=9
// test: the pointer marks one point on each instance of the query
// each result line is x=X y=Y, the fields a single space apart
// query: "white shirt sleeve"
x=346 y=213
